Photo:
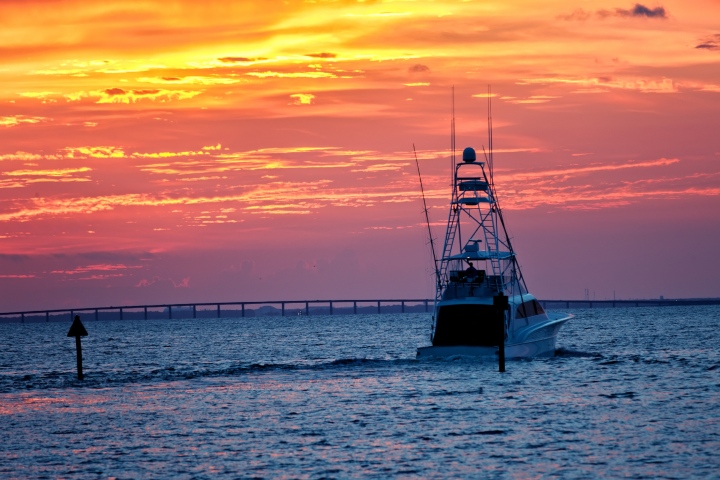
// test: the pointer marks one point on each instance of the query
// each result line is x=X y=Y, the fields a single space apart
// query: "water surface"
x=631 y=393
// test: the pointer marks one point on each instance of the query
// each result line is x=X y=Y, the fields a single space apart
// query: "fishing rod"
x=427 y=218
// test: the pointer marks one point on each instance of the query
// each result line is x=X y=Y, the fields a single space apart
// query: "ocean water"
x=631 y=393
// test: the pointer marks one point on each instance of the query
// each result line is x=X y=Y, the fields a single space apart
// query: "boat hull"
x=537 y=347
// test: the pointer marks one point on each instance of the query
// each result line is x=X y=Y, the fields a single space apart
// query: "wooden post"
x=501 y=305
x=78 y=349
x=77 y=330
x=501 y=347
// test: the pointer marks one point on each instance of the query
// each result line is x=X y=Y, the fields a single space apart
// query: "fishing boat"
x=482 y=303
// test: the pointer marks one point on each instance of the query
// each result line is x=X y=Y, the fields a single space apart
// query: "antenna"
x=490 y=146
x=452 y=138
x=489 y=157
x=427 y=219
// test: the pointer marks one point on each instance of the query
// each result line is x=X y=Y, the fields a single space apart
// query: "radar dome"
x=469 y=155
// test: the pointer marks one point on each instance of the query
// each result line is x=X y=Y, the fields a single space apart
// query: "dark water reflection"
x=632 y=393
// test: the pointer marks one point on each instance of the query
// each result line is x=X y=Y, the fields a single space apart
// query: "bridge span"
x=659 y=302
x=226 y=310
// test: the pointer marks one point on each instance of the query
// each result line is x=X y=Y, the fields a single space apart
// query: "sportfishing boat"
x=480 y=293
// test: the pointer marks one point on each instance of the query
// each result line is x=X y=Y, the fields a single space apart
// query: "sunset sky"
x=182 y=151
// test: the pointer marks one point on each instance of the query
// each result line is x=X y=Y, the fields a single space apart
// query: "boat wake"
x=101 y=379
x=567 y=353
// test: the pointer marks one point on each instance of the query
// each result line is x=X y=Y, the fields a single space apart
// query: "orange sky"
x=185 y=151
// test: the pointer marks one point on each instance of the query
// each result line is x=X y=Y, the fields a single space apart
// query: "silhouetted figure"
x=471 y=272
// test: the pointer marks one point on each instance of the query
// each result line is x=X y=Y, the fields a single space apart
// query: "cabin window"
x=528 y=309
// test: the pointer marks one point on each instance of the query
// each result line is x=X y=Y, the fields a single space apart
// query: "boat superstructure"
x=478 y=264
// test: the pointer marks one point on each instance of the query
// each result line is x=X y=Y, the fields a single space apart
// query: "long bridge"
x=301 y=308
x=660 y=302
x=226 y=310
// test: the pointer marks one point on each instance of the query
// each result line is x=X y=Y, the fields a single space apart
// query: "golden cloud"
x=302 y=98
x=191 y=80
x=644 y=85
x=95 y=152
x=315 y=74
x=47 y=173
x=15 y=120
x=119 y=95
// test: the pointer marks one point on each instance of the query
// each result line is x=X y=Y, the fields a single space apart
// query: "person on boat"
x=471 y=272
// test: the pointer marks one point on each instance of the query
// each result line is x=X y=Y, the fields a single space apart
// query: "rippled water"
x=631 y=393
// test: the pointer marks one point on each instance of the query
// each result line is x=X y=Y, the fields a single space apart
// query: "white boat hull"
x=537 y=347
